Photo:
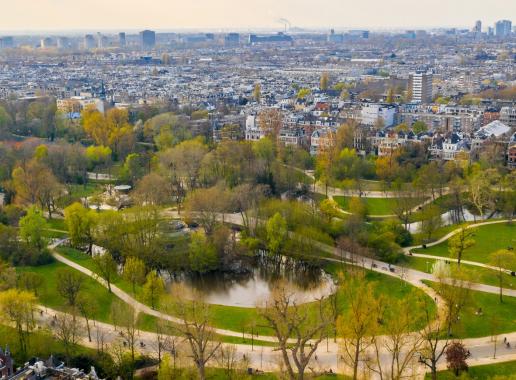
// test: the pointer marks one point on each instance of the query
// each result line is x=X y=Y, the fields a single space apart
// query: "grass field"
x=475 y=274
x=481 y=372
x=376 y=206
x=41 y=344
x=49 y=296
x=420 y=238
x=474 y=326
x=241 y=319
x=487 y=240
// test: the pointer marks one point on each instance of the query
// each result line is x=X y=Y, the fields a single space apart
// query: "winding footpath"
x=267 y=358
x=408 y=250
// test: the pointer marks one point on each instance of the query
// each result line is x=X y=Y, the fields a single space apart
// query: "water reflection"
x=249 y=287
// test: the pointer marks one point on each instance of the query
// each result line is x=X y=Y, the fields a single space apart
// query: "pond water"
x=255 y=285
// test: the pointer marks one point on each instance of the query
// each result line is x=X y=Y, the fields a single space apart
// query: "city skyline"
x=26 y=15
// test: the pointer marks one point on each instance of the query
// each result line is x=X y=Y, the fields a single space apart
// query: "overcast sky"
x=30 y=15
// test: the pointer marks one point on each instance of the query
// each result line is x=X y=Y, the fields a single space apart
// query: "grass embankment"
x=50 y=297
x=488 y=238
x=239 y=319
x=473 y=273
x=481 y=372
x=377 y=206
x=496 y=317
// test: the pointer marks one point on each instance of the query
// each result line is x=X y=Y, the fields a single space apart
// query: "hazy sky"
x=33 y=15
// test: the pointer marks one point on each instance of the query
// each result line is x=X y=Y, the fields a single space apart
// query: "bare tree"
x=126 y=317
x=67 y=329
x=194 y=313
x=401 y=345
x=298 y=333
x=228 y=359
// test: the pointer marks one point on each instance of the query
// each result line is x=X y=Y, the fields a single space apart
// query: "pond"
x=254 y=285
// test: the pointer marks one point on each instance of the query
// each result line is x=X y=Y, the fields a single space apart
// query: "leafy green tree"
x=303 y=93
x=134 y=271
x=202 y=254
x=153 y=288
x=166 y=370
x=419 y=127
x=81 y=223
x=277 y=233
x=32 y=226
x=17 y=307
x=98 y=156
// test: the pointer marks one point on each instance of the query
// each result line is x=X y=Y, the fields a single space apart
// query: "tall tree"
x=67 y=331
x=359 y=323
x=17 y=307
x=106 y=267
x=134 y=272
x=32 y=228
x=460 y=242
x=288 y=319
x=277 y=233
x=81 y=223
x=195 y=325
x=153 y=288
x=456 y=355
x=69 y=283
x=503 y=260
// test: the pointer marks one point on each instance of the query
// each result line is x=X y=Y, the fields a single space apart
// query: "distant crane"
x=285 y=23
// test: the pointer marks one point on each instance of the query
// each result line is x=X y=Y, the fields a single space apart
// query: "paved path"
x=267 y=358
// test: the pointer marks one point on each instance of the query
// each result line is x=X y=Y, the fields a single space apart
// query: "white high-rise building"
x=420 y=84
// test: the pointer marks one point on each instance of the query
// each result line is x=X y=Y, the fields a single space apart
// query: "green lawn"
x=57 y=224
x=420 y=238
x=90 y=188
x=487 y=240
x=475 y=274
x=41 y=344
x=376 y=206
x=481 y=372
x=48 y=295
x=474 y=326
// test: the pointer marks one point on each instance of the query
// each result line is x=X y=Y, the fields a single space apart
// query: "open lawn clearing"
x=474 y=326
x=488 y=239
x=377 y=206
x=49 y=296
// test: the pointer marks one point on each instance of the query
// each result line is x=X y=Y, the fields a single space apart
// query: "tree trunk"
x=355 y=363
